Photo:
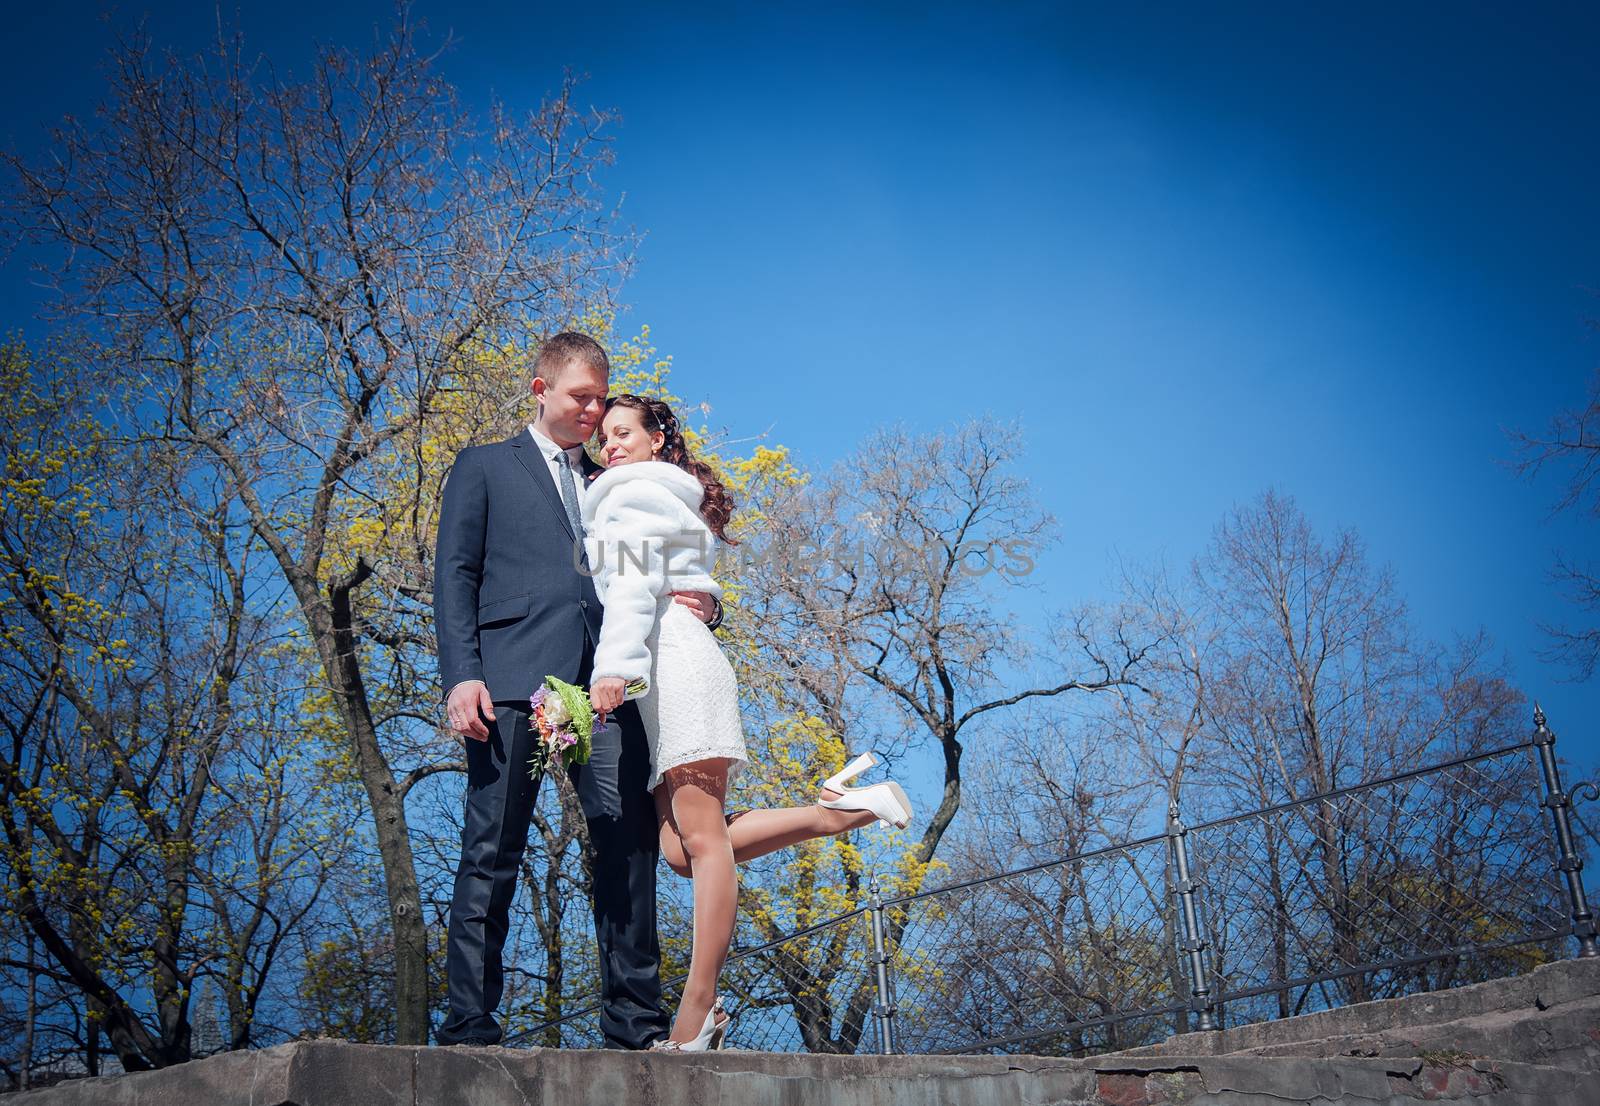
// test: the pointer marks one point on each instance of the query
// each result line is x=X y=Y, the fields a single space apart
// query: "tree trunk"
x=1280 y=919
x=91 y=1059
x=27 y=1025
x=334 y=630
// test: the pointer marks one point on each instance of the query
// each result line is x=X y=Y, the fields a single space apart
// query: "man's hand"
x=469 y=704
x=606 y=694
x=702 y=603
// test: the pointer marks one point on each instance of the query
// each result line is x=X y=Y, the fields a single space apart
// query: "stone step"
x=334 y=1073
x=1549 y=987
x=1565 y=1036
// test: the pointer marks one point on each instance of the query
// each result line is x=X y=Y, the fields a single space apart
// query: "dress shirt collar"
x=550 y=449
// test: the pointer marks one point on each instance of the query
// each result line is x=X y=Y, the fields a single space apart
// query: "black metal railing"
x=1419 y=880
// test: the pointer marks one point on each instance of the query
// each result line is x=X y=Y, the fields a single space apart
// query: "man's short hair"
x=564 y=349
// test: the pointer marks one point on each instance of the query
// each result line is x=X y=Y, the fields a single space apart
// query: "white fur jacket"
x=645 y=538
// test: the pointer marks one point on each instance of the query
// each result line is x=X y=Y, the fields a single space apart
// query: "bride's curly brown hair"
x=654 y=416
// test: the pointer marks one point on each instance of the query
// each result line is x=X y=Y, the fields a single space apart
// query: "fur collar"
x=668 y=475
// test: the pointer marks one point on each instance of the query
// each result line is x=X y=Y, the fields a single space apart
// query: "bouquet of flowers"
x=565 y=721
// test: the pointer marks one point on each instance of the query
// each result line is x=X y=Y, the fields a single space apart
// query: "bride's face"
x=623 y=438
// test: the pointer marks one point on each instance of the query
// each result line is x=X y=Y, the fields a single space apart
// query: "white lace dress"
x=645 y=539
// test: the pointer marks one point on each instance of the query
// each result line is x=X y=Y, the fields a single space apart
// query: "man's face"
x=572 y=406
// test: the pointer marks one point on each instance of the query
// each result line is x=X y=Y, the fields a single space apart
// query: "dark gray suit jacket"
x=510 y=604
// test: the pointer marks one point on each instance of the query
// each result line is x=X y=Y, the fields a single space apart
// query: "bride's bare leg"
x=694 y=810
x=759 y=832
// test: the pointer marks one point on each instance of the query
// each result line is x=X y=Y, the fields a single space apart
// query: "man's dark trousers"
x=622 y=827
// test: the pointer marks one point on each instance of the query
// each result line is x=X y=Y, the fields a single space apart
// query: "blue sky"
x=1197 y=250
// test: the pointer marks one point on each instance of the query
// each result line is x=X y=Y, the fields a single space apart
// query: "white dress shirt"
x=549 y=450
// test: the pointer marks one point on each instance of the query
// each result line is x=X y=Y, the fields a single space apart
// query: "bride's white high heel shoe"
x=887 y=800
x=711 y=1035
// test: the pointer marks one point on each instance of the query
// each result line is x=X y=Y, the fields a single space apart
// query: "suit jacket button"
x=584 y=603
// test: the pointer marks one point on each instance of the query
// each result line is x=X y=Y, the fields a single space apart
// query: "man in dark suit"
x=513 y=603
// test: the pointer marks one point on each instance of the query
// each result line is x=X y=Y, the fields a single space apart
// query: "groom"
x=512 y=606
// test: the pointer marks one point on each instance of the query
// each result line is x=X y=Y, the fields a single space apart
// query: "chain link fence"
x=1450 y=874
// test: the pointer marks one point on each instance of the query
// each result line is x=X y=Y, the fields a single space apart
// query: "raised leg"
x=756 y=833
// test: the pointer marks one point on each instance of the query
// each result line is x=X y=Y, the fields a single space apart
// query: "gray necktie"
x=569 y=494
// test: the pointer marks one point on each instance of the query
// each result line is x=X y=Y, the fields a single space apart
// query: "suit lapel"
x=527 y=452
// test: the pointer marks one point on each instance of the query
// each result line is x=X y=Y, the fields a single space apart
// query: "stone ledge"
x=1549 y=1016
x=333 y=1073
x=1566 y=1036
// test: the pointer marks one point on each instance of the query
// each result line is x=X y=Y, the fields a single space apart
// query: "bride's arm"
x=636 y=520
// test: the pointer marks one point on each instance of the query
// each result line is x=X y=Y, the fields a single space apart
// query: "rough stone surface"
x=1549 y=1017
x=328 y=1073
x=1532 y=1040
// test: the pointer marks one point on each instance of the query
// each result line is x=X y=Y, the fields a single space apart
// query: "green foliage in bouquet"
x=564 y=719
x=576 y=701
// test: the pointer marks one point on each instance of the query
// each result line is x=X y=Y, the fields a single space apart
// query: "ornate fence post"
x=884 y=1009
x=1192 y=943
x=1567 y=862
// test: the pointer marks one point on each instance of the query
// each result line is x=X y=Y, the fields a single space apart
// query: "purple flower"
x=536 y=700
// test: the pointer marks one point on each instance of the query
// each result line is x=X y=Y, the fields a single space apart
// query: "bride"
x=652 y=520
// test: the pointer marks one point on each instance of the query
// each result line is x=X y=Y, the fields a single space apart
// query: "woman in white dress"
x=652 y=521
